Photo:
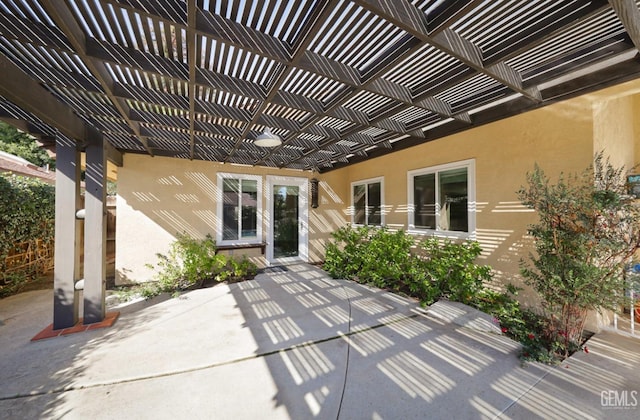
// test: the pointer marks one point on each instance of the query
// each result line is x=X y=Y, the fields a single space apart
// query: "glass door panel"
x=285 y=221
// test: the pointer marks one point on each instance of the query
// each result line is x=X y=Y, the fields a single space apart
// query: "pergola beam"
x=22 y=90
x=629 y=15
x=315 y=23
x=409 y=18
x=191 y=59
x=60 y=13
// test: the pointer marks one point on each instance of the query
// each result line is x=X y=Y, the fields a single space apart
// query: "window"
x=239 y=208
x=439 y=199
x=367 y=202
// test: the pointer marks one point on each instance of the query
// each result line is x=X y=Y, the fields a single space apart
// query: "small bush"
x=374 y=256
x=343 y=256
x=385 y=259
x=237 y=270
x=190 y=262
x=451 y=268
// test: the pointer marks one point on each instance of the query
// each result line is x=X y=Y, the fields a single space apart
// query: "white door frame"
x=303 y=218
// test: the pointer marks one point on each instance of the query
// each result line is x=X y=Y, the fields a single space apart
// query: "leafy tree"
x=588 y=230
x=20 y=144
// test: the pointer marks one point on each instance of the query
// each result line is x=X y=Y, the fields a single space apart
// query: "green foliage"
x=373 y=256
x=385 y=259
x=27 y=213
x=237 y=270
x=451 y=268
x=191 y=261
x=13 y=283
x=441 y=268
x=112 y=188
x=20 y=144
x=342 y=259
x=588 y=230
x=522 y=325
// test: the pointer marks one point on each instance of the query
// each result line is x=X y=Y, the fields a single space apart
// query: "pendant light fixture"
x=267 y=139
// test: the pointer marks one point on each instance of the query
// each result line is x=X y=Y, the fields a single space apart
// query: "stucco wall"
x=558 y=137
x=159 y=197
x=614 y=128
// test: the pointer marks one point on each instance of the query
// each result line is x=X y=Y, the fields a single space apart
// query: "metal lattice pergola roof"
x=340 y=81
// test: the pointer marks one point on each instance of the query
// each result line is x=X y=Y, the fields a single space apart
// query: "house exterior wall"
x=159 y=197
x=559 y=138
x=614 y=130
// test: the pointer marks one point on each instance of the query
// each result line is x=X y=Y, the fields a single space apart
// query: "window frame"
x=470 y=165
x=221 y=176
x=366 y=183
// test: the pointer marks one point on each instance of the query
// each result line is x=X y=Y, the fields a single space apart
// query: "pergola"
x=339 y=81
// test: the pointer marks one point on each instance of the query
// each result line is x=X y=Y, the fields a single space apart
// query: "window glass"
x=239 y=209
x=374 y=201
x=424 y=195
x=367 y=203
x=359 y=204
x=249 y=208
x=230 y=210
x=441 y=198
x=454 y=215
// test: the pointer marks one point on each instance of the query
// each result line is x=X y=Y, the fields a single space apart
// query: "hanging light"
x=267 y=139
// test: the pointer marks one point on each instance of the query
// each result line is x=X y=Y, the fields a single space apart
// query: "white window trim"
x=470 y=164
x=219 y=198
x=352 y=208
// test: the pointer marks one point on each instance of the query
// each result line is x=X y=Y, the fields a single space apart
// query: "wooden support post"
x=95 y=234
x=65 y=305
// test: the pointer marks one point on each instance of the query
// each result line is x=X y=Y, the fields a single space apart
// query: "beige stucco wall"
x=159 y=197
x=558 y=137
x=561 y=138
x=614 y=128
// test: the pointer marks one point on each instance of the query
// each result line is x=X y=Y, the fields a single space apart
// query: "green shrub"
x=385 y=259
x=27 y=213
x=237 y=269
x=452 y=269
x=191 y=261
x=344 y=256
x=373 y=256
x=188 y=261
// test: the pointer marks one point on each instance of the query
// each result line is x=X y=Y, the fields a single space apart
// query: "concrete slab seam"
x=205 y=367
x=528 y=390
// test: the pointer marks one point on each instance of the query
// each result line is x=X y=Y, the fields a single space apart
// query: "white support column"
x=65 y=305
x=95 y=234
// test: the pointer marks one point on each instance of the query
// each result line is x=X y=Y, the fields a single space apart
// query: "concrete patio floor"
x=295 y=344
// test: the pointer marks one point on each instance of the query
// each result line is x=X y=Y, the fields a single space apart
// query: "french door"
x=288 y=218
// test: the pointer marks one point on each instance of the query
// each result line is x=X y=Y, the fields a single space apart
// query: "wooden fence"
x=34 y=257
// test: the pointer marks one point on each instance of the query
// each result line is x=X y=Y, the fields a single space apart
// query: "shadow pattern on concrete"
x=293 y=343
